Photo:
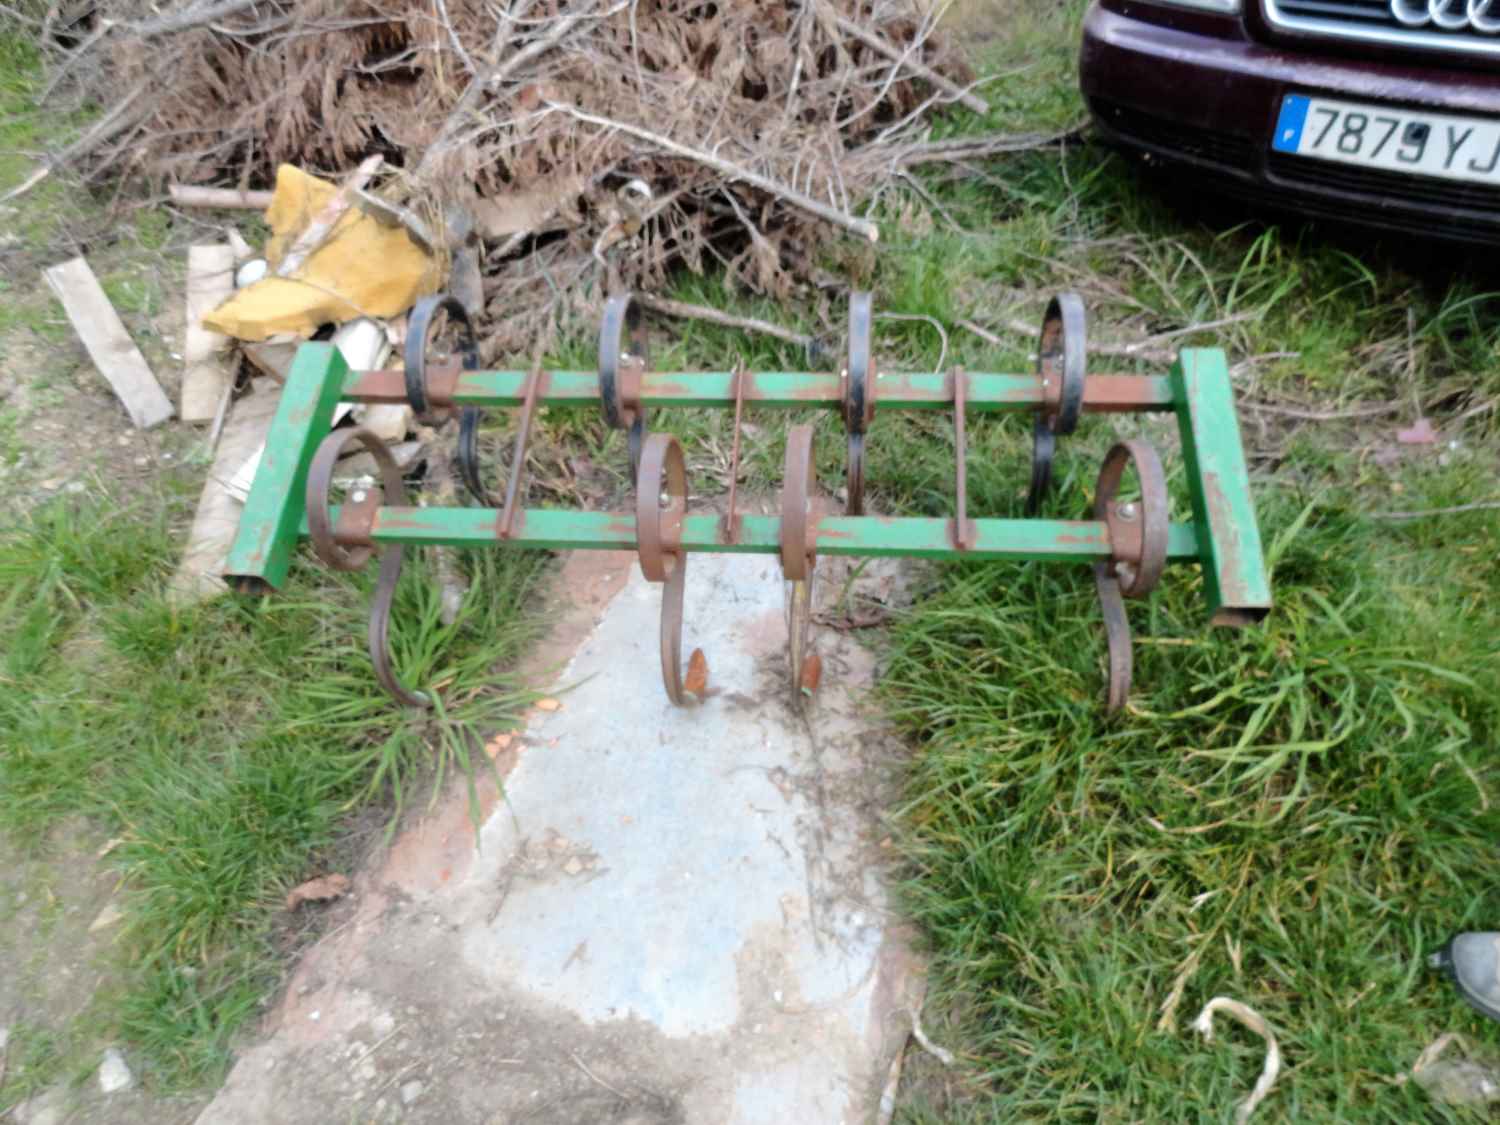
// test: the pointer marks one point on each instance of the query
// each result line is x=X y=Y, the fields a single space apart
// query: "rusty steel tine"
x=1149 y=559
x=658 y=533
x=799 y=620
x=1137 y=560
x=963 y=532
x=518 y=457
x=419 y=391
x=393 y=488
x=1062 y=367
x=798 y=557
x=798 y=478
x=391 y=561
x=1117 y=633
x=315 y=499
x=860 y=384
x=732 y=520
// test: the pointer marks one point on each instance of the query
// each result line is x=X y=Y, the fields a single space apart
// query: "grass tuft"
x=227 y=745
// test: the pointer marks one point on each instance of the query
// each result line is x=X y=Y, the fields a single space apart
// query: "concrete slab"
x=673 y=916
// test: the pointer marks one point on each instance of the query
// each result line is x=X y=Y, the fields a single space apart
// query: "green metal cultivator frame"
x=1128 y=543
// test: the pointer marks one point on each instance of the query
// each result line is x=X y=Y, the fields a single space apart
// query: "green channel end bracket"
x=1229 y=547
x=262 y=552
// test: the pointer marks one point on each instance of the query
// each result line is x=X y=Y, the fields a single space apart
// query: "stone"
x=50 y=1107
x=114 y=1075
x=411 y=1091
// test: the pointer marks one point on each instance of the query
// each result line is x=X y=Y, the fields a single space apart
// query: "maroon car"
x=1379 y=112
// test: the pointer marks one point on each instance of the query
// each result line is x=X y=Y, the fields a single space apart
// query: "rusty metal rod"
x=987 y=391
x=518 y=458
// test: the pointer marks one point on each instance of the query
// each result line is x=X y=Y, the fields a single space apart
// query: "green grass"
x=227 y=745
x=1294 y=816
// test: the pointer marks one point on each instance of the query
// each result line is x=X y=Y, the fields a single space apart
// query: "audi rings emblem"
x=1450 y=15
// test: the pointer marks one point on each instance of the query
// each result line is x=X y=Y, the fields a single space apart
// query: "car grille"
x=1420 y=191
x=1224 y=150
x=1373 y=21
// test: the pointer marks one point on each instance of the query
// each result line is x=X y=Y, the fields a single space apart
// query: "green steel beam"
x=538 y=528
x=262 y=550
x=1234 y=570
x=986 y=392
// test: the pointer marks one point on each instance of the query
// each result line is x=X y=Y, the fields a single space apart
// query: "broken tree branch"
x=682 y=309
x=731 y=171
x=226 y=199
x=972 y=148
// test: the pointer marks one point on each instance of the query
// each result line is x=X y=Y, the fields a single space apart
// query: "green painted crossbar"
x=1222 y=537
x=910 y=537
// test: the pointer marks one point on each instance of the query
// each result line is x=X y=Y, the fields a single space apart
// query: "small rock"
x=410 y=1092
x=50 y=1107
x=113 y=1073
x=52 y=485
x=573 y=866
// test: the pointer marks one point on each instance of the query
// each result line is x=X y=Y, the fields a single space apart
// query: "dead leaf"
x=499 y=743
x=107 y=918
x=109 y=846
x=317 y=890
x=548 y=704
x=697 y=673
x=1420 y=433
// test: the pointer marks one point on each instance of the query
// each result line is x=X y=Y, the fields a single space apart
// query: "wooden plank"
x=205 y=373
x=198 y=575
x=114 y=354
x=273 y=357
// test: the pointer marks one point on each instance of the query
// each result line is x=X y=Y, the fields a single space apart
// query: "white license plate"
x=1397 y=140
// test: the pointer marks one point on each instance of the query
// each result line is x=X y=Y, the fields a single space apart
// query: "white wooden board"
x=114 y=354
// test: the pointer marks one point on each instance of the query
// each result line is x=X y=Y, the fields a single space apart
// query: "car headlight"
x=1228 y=7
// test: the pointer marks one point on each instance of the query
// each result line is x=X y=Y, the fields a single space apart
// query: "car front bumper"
x=1206 y=97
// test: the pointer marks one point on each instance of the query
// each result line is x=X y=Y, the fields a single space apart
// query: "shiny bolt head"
x=665 y=500
x=1125 y=572
x=1126 y=511
x=358 y=497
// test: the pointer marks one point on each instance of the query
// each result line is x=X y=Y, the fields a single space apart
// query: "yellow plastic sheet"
x=362 y=269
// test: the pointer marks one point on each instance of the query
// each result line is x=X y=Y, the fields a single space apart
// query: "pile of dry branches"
x=594 y=143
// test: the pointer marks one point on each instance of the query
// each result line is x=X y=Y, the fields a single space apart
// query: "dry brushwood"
x=596 y=143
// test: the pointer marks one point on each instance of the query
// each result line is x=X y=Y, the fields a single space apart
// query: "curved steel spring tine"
x=1043 y=446
x=1062 y=365
x=391 y=561
x=1117 y=633
x=418 y=333
x=860 y=385
x=322 y=533
x=466 y=457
